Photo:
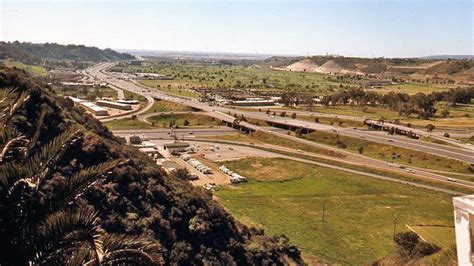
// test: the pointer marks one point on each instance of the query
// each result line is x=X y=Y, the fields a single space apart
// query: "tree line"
x=421 y=104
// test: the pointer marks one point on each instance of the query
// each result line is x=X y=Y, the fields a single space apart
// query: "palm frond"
x=10 y=112
x=146 y=248
x=78 y=183
x=129 y=257
x=64 y=231
x=34 y=139
x=13 y=146
x=40 y=164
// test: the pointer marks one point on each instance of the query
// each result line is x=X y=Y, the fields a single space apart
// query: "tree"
x=293 y=115
x=186 y=122
x=411 y=246
x=430 y=127
x=361 y=150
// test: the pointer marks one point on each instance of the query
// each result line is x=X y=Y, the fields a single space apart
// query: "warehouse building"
x=176 y=147
x=89 y=106
x=115 y=105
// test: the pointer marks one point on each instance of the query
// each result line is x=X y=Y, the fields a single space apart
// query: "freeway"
x=181 y=133
x=222 y=113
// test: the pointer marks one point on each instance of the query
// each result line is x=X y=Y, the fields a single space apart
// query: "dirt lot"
x=210 y=154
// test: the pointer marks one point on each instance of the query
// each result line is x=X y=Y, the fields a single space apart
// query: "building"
x=132 y=102
x=253 y=102
x=115 y=105
x=176 y=147
x=378 y=83
x=89 y=106
x=464 y=223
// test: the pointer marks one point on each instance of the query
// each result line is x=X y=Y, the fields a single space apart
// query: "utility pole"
x=324 y=210
x=394 y=226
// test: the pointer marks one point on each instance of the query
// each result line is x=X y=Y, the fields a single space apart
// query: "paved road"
x=220 y=113
x=180 y=133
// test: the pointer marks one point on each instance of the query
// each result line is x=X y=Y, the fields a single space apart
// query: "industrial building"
x=253 y=102
x=89 y=106
x=176 y=147
x=115 y=105
x=132 y=102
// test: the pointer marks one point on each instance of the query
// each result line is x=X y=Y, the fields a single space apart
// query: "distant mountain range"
x=446 y=57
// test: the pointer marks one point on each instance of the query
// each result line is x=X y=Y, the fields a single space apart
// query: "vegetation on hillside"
x=34 y=54
x=72 y=193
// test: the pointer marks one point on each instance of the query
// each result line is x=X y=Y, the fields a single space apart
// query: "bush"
x=430 y=127
x=411 y=246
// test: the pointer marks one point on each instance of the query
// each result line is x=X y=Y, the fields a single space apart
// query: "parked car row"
x=196 y=164
x=234 y=177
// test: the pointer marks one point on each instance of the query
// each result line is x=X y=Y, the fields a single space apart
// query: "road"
x=180 y=132
x=221 y=113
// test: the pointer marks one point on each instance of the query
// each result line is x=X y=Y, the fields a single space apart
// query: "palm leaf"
x=118 y=247
x=78 y=183
x=66 y=231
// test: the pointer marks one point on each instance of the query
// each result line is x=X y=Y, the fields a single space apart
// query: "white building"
x=464 y=222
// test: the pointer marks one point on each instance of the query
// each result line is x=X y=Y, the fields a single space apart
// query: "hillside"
x=394 y=67
x=31 y=53
x=131 y=207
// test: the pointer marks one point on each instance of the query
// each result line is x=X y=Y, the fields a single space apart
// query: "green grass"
x=127 y=123
x=201 y=75
x=359 y=210
x=170 y=87
x=133 y=96
x=178 y=120
x=443 y=236
x=166 y=106
x=29 y=68
x=385 y=152
x=460 y=116
x=413 y=88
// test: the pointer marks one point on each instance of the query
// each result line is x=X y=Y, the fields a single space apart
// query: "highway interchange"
x=454 y=151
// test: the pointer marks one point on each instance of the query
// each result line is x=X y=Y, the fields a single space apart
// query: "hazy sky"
x=393 y=28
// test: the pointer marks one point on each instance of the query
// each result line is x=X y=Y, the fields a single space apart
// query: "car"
x=391 y=140
x=299 y=150
x=411 y=171
x=230 y=148
x=191 y=133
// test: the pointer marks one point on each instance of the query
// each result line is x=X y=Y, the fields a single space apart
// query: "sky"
x=365 y=28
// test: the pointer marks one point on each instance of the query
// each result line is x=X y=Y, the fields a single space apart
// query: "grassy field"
x=133 y=96
x=166 y=106
x=29 y=68
x=443 y=236
x=460 y=116
x=127 y=123
x=385 y=152
x=171 y=87
x=290 y=202
x=194 y=120
x=413 y=88
x=189 y=75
